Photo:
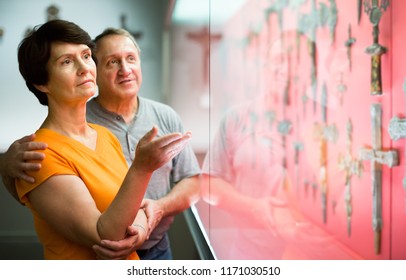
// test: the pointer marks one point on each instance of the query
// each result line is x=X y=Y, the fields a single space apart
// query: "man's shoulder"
x=153 y=103
x=156 y=106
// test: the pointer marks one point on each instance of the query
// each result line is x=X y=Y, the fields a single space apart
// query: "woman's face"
x=72 y=73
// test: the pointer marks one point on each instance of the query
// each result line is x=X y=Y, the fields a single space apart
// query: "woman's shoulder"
x=48 y=136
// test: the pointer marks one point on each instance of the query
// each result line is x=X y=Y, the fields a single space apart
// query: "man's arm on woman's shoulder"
x=15 y=162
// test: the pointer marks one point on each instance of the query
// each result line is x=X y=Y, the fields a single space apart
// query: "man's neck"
x=127 y=108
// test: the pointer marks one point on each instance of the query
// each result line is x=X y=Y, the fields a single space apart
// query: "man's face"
x=118 y=67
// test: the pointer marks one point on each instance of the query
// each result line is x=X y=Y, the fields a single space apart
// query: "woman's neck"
x=72 y=123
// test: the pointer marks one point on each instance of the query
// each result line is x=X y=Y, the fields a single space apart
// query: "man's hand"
x=14 y=162
x=152 y=153
x=154 y=212
x=120 y=250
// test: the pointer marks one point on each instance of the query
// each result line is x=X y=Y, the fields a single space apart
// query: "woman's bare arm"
x=65 y=203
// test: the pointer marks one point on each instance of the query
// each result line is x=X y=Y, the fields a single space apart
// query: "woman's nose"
x=84 y=67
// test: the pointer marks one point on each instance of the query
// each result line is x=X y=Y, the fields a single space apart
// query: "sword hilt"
x=376 y=77
x=376 y=51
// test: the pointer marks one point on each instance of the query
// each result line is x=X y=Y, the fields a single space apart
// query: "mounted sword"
x=375 y=12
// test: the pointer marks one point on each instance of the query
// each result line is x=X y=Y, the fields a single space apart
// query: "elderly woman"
x=84 y=191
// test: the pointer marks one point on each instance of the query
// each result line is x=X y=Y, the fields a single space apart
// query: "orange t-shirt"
x=102 y=170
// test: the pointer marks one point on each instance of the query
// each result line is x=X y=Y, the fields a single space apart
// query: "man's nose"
x=124 y=68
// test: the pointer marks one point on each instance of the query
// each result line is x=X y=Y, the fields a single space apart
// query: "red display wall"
x=342 y=170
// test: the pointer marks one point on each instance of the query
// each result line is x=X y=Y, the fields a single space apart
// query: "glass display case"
x=306 y=153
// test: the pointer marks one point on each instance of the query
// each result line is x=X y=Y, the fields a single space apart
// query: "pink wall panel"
x=252 y=72
x=398 y=198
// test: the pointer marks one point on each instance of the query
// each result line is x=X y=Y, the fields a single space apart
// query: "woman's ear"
x=42 y=88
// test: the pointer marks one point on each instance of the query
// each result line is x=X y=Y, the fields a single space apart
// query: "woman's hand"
x=152 y=153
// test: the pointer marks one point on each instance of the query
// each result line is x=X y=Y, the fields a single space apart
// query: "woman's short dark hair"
x=34 y=51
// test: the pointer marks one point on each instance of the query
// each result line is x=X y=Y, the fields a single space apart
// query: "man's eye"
x=66 y=61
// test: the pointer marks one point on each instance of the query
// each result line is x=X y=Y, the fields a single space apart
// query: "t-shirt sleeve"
x=53 y=164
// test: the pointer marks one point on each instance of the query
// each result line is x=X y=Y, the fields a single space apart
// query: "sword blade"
x=348 y=205
x=376 y=173
x=324 y=206
x=377 y=205
x=359 y=10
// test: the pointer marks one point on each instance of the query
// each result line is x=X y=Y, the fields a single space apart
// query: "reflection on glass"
x=266 y=175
